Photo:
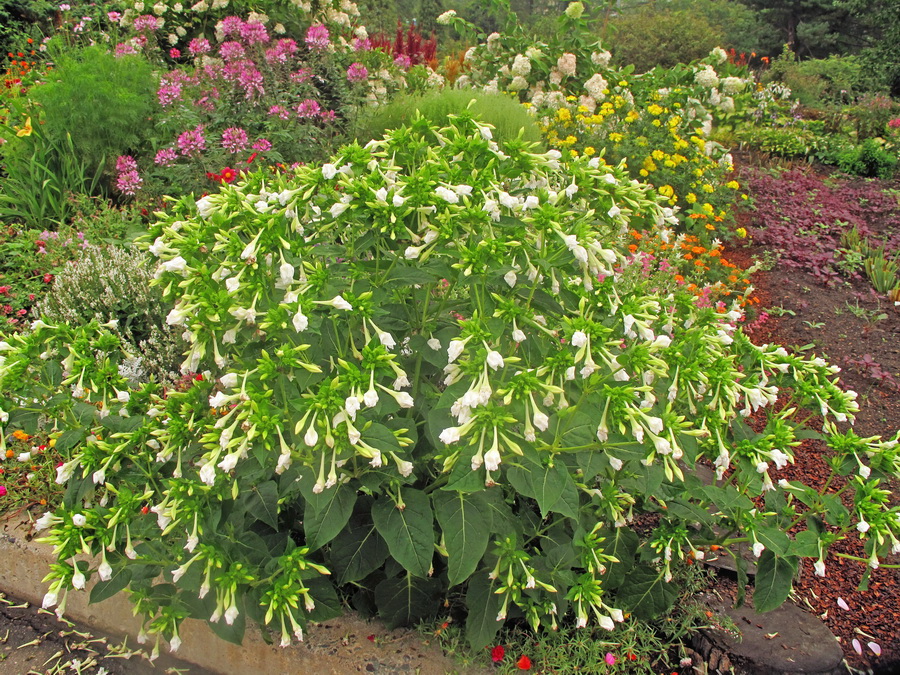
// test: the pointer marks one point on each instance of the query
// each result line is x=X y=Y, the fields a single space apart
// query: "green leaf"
x=774 y=539
x=465 y=521
x=569 y=502
x=484 y=605
x=322 y=521
x=106 y=589
x=263 y=503
x=409 y=533
x=407 y=599
x=69 y=439
x=233 y=633
x=774 y=577
x=805 y=544
x=357 y=552
x=545 y=484
x=622 y=543
x=328 y=605
x=646 y=593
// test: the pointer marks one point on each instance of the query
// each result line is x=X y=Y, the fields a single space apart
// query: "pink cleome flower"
x=165 y=157
x=253 y=33
x=232 y=50
x=192 y=142
x=199 y=46
x=234 y=139
x=317 y=37
x=262 y=145
x=146 y=23
x=357 y=72
x=308 y=108
x=231 y=25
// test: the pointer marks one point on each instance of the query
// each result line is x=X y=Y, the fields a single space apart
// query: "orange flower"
x=21 y=435
x=524 y=663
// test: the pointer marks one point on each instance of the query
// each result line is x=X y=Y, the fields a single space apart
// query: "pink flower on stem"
x=234 y=139
x=262 y=145
x=317 y=37
x=610 y=659
x=2 y=490
x=124 y=49
x=174 y=53
x=199 y=46
x=254 y=32
x=231 y=25
x=357 y=72
x=279 y=111
x=114 y=16
x=403 y=62
x=168 y=93
x=146 y=23
x=308 y=108
x=361 y=45
x=126 y=163
x=165 y=157
x=192 y=141
x=231 y=50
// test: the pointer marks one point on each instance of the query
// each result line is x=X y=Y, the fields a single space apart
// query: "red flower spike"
x=524 y=663
x=497 y=653
x=251 y=158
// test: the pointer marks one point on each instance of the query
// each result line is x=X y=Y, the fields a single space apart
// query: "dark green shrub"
x=506 y=114
x=103 y=102
x=868 y=159
x=650 y=37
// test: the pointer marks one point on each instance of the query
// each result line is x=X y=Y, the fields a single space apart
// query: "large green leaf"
x=774 y=577
x=322 y=524
x=621 y=543
x=406 y=599
x=106 y=589
x=357 y=552
x=465 y=520
x=409 y=532
x=545 y=484
x=646 y=593
x=774 y=539
x=263 y=503
x=484 y=605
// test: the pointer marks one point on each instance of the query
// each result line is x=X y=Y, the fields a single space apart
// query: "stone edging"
x=335 y=647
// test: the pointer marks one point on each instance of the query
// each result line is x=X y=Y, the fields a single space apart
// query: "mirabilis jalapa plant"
x=426 y=366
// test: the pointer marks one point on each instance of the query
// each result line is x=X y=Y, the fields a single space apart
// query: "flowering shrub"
x=659 y=121
x=421 y=370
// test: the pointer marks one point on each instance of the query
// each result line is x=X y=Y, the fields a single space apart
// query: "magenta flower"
x=231 y=50
x=174 y=53
x=114 y=16
x=192 y=141
x=234 y=139
x=317 y=37
x=254 y=32
x=403 y=62
x=168 y=93
x=301 y=76
x=357 y=72
x=165 y=157
x=308 y=108
x=610 y=659
x=279 y=111
x=199 y=46
x=124 y=49
x=126 y=163
x=361 y=45
x=231 y=25
x=262 y=145
x=2 y=490
x=146 y=23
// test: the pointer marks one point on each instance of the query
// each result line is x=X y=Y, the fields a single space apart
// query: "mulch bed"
x=846 y=322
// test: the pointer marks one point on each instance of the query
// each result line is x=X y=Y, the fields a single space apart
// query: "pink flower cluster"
x=357 y=72
x=232 y=50
x=192 y=141
x=251 y=32
x=317 y=37
x=894 y=123
x=199 y=46
x=165 y=157
x=234 y=139
x=146 y=23
x=128 y=181
x=282 y=52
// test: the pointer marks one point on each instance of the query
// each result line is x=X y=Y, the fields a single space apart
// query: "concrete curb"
x=336 y=647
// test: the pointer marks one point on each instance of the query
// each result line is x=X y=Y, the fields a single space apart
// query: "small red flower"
x=497 y=653
x=228 y=175
x=40 y=243
x=145 y=509
x=251 y=158
x=199 y=377
x=370 y=638
x=48 y=278
x=524 y=663
x=174 y=53
x=2 y=490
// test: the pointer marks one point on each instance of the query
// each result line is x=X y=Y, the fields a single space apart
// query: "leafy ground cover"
x=815 y=298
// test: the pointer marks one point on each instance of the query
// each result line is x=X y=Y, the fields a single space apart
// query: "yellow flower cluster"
x=663 y=144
